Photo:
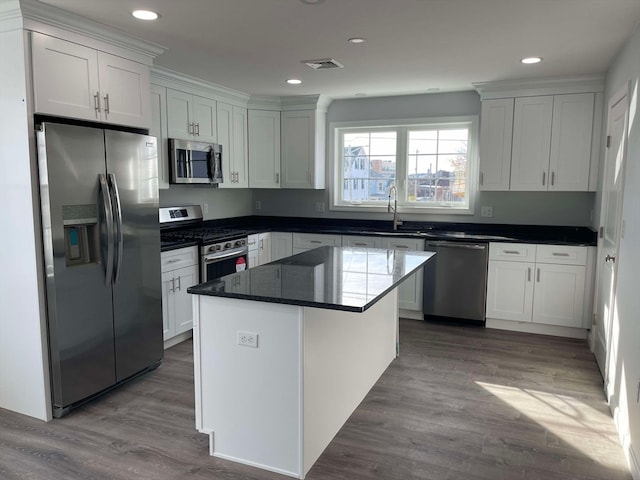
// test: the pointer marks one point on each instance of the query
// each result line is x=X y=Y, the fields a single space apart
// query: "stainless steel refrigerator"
x=101 y=239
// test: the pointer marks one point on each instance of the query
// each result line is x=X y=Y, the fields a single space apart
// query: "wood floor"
x=459 y=403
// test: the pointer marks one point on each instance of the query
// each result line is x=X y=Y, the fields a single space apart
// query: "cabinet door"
x=65 y=78
x=159 y=130
x=281 y=245
x=204 y=119
x=571 y=138
x=409 y=291
x=168 y=306
x=531 y=143
x=240 y=159
x=496 y=129
x=183 y=308
x=298 y=149
x=124 y=88
x=264 y=149
x=559 y=295
x=179 y=114
x=264 y=248
x=225 y=129
x=510 y=290
x=360 y=241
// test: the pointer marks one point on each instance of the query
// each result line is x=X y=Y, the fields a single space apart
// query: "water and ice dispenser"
x=81 y=234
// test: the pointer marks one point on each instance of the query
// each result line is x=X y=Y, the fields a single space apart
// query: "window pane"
x=369 y=165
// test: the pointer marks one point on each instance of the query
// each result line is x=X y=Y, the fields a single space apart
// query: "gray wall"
x=221 y=203
x=554 y=208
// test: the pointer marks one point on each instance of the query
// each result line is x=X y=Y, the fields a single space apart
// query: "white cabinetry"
x=281 y=245
x=191 y=117
x=71 y=80
x=303 y=149
x=232 y=135
x=264 y=149
x=543 y=284
x=179 y=272
x=361 y=241
x=159 y=130
x=409 y=291
x=496 y=127
x=259 y=249
x=308 y=241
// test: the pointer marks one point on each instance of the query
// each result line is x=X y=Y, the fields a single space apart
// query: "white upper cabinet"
x=232 y=135
x=264 y=149
x=571 y=142
x=496 y=127
x=531 y=143
x=159 y=130
x=191 y=117
x=71 y=80
x=303 y=152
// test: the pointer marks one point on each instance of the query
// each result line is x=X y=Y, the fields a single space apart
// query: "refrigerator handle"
x=108 y=216
x=117 y=214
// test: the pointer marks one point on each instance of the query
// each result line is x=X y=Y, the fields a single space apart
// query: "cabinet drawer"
x=182 y=257
x=514 y=252
x=252 y=241
x=561 y=254
x=311 y=240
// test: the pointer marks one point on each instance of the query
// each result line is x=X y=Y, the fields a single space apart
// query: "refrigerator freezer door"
x=133 y=173
x=79 y=304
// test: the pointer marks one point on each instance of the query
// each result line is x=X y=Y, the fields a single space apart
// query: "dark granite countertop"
x=336 y=278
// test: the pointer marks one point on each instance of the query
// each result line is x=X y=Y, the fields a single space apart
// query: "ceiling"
x=413 y=46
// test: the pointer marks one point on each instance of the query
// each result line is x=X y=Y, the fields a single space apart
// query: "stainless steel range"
x=223 y=250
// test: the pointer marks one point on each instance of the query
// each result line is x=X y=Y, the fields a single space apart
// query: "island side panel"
x=345 y=354
x=251 y=398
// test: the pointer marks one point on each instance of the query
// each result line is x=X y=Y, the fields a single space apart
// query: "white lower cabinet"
x=179 y=272
x=259 y=249
x=281 y=245
x=409 y=291
x=308 y=241
x=543 y=284
x=360 y=241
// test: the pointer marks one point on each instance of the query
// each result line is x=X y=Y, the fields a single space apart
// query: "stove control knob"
x=227 y=245
x=218 y=247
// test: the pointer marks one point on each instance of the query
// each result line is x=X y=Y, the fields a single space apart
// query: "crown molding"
x=196 y=86
x=10 y=16
x=54 y=21
x=540 y=86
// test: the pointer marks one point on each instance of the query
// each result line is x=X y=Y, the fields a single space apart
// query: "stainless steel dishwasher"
x=455 y=282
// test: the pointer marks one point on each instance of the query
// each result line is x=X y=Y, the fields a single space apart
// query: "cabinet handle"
x=512 y=252
x=315 y=241
x=559 y=254
x=481 y=178
x=538 y=276
x=400 y=246
x=261 y=244
x=96 y=102
x=553 y=178
x=179 y=284
x=528 y=274
x=173 y=285
x=198 y=129
x=360 y=244
x=106 y=103
x=544 y=178
x=277 y=177
x=191 y=128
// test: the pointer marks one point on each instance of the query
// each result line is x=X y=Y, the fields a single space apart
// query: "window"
x=432 y=163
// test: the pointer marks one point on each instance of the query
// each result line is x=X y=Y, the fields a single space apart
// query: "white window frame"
x=403 y=125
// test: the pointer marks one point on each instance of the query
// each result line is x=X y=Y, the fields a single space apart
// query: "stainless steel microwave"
x=195 y=162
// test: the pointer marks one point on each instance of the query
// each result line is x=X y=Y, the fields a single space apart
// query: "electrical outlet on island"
x=248 y=339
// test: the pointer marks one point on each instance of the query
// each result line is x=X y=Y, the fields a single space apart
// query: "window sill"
x=402 y=209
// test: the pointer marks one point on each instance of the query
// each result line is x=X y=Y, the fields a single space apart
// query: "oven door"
x=221 y=264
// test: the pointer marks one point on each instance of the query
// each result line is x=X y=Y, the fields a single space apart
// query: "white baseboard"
x=538 y=328
x=634 y=464
x=411 y=314
x=178 y=339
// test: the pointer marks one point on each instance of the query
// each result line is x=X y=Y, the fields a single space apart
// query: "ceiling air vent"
x=322 y=63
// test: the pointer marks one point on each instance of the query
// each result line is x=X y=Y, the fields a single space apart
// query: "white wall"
x=23 y=356
x=546 y=208
x=626 y=336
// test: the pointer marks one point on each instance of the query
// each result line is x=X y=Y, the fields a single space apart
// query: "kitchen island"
x=285 y=352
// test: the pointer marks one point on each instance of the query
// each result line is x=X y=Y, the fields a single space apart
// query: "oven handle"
x=216 y=257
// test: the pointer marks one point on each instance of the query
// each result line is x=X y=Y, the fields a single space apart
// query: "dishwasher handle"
x=466 y=246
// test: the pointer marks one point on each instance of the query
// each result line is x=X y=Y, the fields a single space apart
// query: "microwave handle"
x=189 y=165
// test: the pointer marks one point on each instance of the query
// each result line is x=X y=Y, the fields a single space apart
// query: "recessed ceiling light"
x=531 y=60
x=433 y=90
x=145 y=14
x=360 y=94
x=357 y=40
x=312 y=2
x=294 y=81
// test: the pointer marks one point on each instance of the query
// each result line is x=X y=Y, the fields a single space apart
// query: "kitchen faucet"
x=394 y=209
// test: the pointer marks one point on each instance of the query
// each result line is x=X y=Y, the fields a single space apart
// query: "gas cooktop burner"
x=203 y=234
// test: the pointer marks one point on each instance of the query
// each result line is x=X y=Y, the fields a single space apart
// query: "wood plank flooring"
x=459 y=403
